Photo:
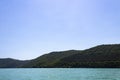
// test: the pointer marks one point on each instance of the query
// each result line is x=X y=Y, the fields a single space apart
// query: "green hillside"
x=48 y=60
x=99 y=56
x=102 y=56
x=11 y=63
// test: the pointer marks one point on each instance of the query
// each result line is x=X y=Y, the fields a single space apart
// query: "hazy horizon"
x=30 y=28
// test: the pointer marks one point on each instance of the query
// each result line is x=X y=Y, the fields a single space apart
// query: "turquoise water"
x=60 y=74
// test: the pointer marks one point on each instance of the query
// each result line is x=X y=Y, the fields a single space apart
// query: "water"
x=60 y=74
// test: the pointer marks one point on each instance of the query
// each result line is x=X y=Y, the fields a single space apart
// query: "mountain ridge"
x=101 y=56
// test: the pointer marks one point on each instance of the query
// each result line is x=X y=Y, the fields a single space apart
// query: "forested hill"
x=103 y=56
x=48 y=60
x=100 y=56
x=11 y=63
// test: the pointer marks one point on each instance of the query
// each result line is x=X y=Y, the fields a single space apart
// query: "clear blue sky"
x=30 y=28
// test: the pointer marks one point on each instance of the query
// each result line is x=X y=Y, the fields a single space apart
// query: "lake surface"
x=60 y=74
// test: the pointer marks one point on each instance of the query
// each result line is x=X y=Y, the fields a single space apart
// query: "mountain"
x=11 y=63
x=102 y=56
x=48 y=60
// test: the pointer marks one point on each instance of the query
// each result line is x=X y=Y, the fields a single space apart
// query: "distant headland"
x=102 y=56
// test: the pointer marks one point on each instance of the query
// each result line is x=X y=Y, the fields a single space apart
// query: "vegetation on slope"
x=11 y=63
x=48 y=60
x=100 y=56
x=103 y=56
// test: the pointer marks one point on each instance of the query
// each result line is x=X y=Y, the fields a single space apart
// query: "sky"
x=30 y=28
